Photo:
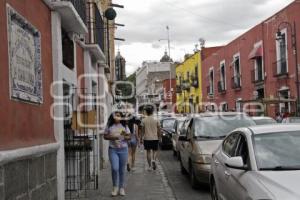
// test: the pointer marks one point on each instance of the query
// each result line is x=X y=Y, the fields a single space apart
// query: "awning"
x=256 y=52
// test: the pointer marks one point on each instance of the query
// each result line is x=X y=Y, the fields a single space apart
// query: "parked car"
x=167 y=130
x=201 y=135
x=263 y=120
x=175 y=134
x=260 y=162
x=291 y=120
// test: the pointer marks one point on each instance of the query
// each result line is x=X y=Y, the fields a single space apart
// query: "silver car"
x=176 y=132
x=201 y=135
x=259 y=162
x=263 y=120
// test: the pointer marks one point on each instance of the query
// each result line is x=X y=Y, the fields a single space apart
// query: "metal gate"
x=80 y=148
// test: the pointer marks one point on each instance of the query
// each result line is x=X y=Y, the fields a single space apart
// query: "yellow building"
x=189 y=84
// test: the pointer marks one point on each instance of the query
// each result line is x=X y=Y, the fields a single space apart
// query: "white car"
x=256 y=163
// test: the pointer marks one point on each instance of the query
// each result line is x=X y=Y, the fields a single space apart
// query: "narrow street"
x=178 y=182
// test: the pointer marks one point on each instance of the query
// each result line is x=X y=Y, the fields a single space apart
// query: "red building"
x=256 y=67
x=169 y=94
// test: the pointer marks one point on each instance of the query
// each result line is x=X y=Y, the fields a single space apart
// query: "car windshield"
x=168 y=123
x=277 y=151
x=264 y=121
x=220 y=126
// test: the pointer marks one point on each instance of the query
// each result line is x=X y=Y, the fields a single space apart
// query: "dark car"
x=166 y=130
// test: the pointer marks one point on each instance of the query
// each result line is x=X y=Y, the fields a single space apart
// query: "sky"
x=216 y=21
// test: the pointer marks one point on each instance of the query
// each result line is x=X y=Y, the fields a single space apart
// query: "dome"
x=166 y=58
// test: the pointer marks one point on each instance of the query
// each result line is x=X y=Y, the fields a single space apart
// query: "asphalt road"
x=180 y=183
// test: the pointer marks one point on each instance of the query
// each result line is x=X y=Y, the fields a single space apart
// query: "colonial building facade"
x=258 y=67
x=55 y=98
x=189 y=81
x=150 y=78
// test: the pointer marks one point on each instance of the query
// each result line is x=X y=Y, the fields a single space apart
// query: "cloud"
x=217 y=21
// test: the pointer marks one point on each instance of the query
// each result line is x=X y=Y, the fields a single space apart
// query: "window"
x=238 y=105
x=242 y=149
x=224 y=107
x=237 y=72
x=222 y=83
x=67 y=50
x=284 y=107
x=229 y=144
x=211 y=81
x=281 y=49
x=259 y=72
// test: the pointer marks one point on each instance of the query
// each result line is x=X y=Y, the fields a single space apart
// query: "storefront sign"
x=25 y=71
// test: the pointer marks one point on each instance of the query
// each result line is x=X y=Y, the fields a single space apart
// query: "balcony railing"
x=80 y=6
x=99 y=29
x=195 y=82
x=95 y=26
x=221 y=87
x=280 y=68
x=256 y=76
x=236 y=82
x=178 y=89
x=186 y=85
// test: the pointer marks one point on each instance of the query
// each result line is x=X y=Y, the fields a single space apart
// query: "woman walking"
x=132 y=123
x=117 y=132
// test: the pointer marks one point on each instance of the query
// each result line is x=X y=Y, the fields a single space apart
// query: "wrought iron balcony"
x=95 y=27
x=186 y=85
x=221 y=87
x=257 y=76
x=236 y=82
x=81 y=8
x=280 y=68
x=178 y=89
x=195 y=82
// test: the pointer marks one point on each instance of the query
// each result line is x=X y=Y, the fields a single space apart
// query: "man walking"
x=151 y=135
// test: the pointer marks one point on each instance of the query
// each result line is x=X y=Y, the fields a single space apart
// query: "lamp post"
x=169 y=49
x=293 y=30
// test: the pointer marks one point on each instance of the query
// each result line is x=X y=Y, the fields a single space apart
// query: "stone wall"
x=29 y=179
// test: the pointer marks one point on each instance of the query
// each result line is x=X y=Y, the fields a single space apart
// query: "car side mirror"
x=236 y=163
x=183 y=138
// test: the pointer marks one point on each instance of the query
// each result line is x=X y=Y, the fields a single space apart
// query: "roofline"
x=256 y=26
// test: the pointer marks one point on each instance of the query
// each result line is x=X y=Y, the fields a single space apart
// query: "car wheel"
x=193 y=178
x=182 y=169
x=213 y=190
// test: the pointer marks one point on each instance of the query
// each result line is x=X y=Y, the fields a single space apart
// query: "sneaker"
x=154 y=165
x=114 y=192
x=149 y=169
x=122 y=192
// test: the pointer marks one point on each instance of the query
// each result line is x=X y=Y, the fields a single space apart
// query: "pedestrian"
x=132 y=123
x=151 y=135
x=278 y=117
x=117 y=132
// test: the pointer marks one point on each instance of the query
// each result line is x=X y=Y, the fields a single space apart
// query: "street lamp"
x=169 y=48
x=293 y=30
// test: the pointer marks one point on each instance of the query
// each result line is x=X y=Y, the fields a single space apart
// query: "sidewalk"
x=140 y=184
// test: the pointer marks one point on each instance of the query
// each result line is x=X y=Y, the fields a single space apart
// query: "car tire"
x=193 y=178
x=213 y=190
